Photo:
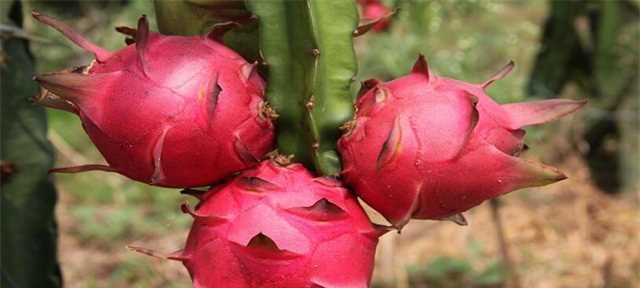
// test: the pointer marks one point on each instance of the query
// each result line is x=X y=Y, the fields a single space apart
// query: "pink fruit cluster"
x=187 y=111
x=165 y=110
x=279 y=226
x=429 y=147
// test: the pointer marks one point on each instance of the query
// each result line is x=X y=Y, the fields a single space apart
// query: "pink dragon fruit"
x=428 y=147
x=275 y=226
x=374 y=9
x=166 y=110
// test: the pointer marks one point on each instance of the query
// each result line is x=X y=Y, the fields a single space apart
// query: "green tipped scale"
x=308 y=51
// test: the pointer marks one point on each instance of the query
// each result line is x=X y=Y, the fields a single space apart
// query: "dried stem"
x=512 y=274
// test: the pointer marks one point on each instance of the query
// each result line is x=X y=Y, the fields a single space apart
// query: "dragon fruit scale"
x=374 y=9
x=278 y=226
x=170 y=111
x=429 y=147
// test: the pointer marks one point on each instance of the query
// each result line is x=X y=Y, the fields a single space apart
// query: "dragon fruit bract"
x=166 y=110
x=275 y=226
x=374 y=9
x=429 y=147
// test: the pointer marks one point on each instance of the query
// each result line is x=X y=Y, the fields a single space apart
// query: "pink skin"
x=168 y=110
x=429 y=147
x=275 y=226
x=374 y=9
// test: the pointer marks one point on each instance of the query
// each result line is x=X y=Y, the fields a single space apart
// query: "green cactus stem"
x=333 y=23
x=308 y=52
x=28 y=236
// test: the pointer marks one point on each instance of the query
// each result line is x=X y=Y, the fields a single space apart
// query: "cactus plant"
x=28 y=237
x=419 y=146
x=308 y=53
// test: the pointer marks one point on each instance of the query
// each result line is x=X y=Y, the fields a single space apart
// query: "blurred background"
x=581 y=232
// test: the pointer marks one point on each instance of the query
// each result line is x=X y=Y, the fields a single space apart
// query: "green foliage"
x=96 y=20
x=593 y=44
x=135 y=272
x=447 y=272
x=197 y=17
x=468 y=40
x=115 y=211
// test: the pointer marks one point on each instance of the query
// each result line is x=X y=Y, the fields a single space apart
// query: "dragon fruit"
x=429 y=147
x=374 y=9
x=278 y=226
x=165 y=110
